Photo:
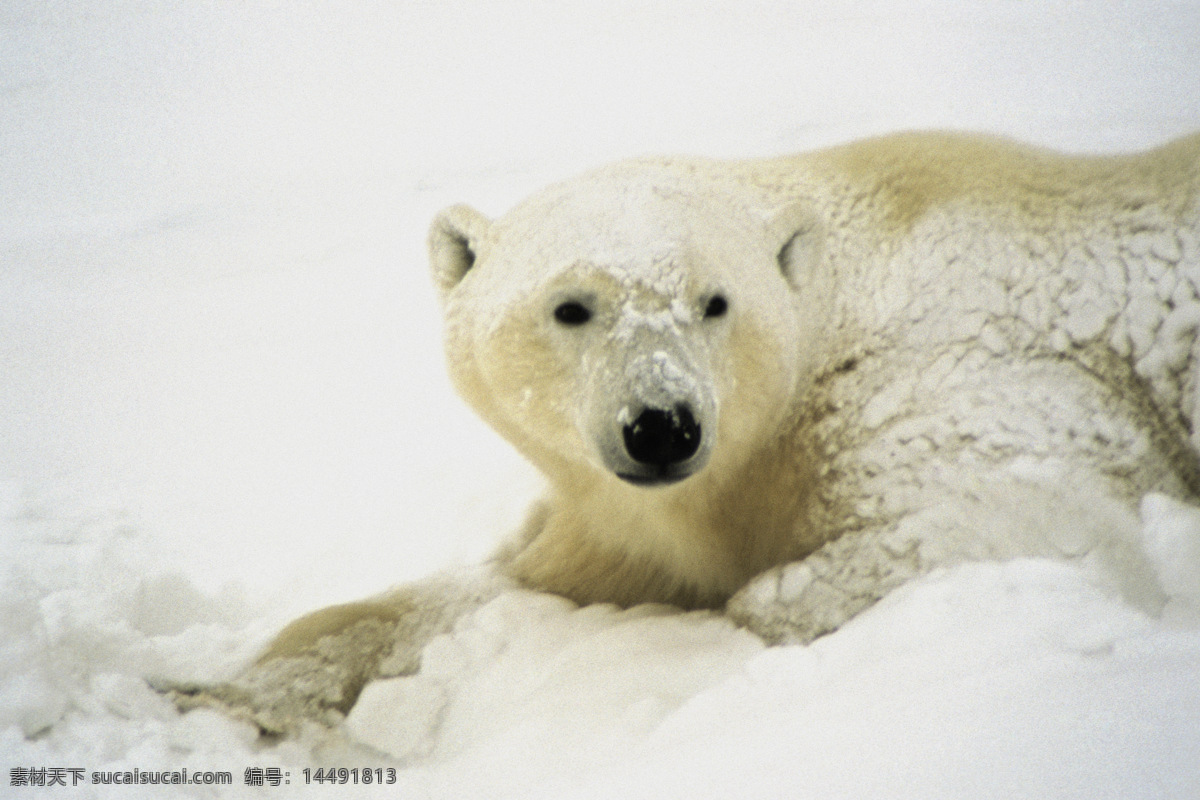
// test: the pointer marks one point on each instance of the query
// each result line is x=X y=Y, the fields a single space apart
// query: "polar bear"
x=784 y=387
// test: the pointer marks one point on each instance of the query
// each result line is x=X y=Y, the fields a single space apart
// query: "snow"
x=222 y=400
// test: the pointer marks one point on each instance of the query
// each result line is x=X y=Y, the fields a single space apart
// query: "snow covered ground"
x=222 y=400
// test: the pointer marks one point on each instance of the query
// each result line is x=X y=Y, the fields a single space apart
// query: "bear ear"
x=798 y=236
x=454 y=239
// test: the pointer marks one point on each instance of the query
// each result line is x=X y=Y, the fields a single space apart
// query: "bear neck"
x=692 y=544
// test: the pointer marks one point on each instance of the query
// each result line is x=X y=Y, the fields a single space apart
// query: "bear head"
x=639 y=324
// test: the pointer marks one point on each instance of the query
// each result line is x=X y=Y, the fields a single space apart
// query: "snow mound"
x=532 y=673
x=1025 y=678
x=1052 y=686
x=86 y=617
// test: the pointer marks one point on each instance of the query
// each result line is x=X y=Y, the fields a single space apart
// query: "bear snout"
x=661 y=442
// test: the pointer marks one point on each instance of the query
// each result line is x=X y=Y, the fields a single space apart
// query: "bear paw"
x=279 y=696
x=797 y=602
x=313 y=672
x=790 y=605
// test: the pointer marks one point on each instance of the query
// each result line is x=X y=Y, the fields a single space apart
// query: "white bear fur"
x=937 y=348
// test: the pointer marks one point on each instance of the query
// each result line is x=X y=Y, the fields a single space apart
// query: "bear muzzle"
x=662 y=447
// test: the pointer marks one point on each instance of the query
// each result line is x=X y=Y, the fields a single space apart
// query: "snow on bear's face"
x=623 y=325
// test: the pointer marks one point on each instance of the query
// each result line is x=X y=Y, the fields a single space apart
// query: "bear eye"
x=572 y=313
x=717 y=306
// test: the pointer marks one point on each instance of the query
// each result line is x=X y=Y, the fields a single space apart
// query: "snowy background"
x=222 y=400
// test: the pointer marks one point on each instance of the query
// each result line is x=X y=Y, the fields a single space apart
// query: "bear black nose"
x=662 y=438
